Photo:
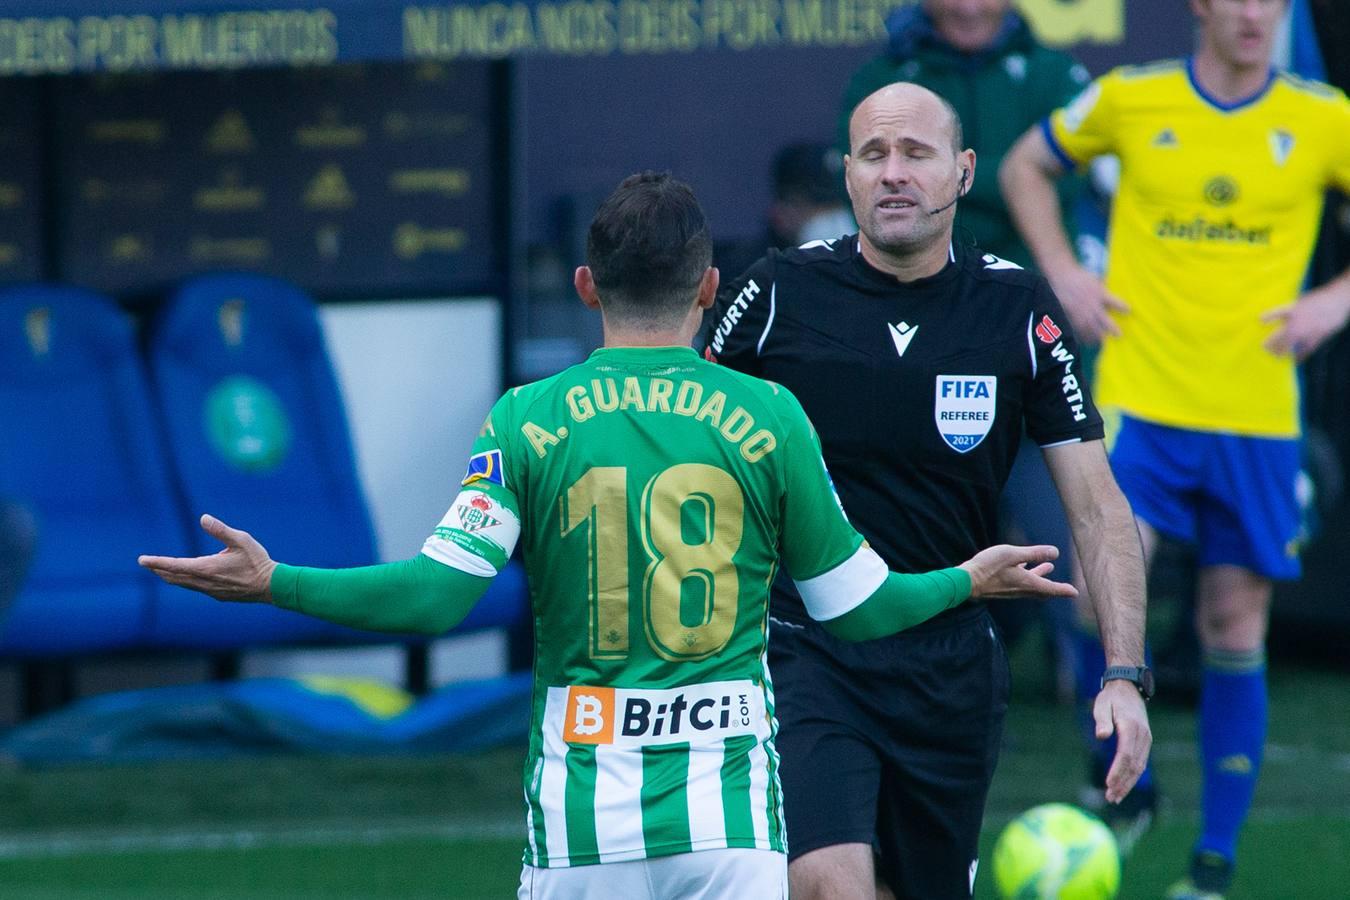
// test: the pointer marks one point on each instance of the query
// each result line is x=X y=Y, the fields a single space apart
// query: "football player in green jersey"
x=653 y=495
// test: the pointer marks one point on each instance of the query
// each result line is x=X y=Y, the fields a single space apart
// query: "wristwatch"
x=1140 y=676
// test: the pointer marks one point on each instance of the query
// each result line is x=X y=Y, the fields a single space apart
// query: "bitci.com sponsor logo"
x=694 y=713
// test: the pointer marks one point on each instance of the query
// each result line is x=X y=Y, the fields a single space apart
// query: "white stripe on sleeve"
x=831 y=594
x=773 y=308
x=1031 y=345
x=456 y=557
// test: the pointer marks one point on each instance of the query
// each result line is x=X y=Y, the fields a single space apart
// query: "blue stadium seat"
x=258 y=437
x=79 y=450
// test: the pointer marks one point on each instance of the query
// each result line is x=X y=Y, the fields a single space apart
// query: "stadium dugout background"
x=425 y=171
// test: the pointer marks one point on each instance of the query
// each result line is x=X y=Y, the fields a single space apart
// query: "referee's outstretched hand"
x=1009 y=571
x=241 y=572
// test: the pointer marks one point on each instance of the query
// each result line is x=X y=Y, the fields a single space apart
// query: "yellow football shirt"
x=1213 y=224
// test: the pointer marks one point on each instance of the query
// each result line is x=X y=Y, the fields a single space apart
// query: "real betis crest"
x=475 y=516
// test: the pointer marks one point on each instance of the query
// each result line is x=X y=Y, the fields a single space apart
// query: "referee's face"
x=902 y=172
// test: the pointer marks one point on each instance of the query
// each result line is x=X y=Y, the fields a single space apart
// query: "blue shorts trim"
x=1232 y=496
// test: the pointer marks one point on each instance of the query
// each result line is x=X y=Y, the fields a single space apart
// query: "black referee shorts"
x=892 y=743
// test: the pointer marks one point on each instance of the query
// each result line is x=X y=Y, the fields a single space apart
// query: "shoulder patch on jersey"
x=811 y=245
x=1081 y=106
x=1308 y=85
x=1144 y=70
x=994 y=262
x=814 y=251
x=1047 y=331
x=485 y=466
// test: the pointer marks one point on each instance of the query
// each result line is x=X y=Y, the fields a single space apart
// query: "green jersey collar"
x=643 y=355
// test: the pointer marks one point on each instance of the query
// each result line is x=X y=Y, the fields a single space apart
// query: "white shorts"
x=728 y=874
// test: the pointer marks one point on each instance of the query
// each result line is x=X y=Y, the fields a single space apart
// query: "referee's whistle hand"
x=1119 y=710
x=1011 y=571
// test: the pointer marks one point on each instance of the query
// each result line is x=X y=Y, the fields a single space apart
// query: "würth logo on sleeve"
x=1047 y=330
x=733 y=315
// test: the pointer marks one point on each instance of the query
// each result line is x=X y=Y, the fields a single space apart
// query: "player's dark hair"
x=648 y=247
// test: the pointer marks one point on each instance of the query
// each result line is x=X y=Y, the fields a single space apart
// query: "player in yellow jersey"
x=1224 y=162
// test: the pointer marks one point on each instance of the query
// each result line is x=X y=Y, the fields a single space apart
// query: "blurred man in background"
x=644 y=483
x=1224 y=163
x=807 y=206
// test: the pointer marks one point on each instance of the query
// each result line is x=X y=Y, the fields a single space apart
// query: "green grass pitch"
x=315 y=827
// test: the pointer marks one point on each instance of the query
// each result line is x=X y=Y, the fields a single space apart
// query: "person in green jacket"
x=982 y=58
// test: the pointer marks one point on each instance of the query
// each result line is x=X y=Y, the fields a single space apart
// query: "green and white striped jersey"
x=654 y=493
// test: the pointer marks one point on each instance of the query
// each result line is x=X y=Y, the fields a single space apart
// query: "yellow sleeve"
x=1086 y=127
x=1339 y=174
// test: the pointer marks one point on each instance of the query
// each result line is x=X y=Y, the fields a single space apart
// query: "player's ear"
x=967 y=163
x=707 y=287
x=584 y=282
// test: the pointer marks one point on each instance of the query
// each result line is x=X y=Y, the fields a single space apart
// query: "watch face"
x=1146 y=682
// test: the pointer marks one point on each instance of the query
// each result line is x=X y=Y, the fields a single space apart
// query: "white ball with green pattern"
x=1056 y=852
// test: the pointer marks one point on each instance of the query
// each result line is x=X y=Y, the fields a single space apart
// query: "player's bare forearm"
x=1027 y=179
x=1108 y=545
x=1112 y=558
x=1113 y=569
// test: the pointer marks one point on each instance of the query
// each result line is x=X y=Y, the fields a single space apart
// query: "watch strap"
x=1136 y=675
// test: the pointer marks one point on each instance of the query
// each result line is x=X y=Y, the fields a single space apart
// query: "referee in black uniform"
x=919 y=362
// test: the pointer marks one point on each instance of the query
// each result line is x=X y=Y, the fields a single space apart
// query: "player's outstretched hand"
x=1087 y=303
x=240 y=572
x=1306 y=324
x=1008 y=571
x=1119 y=710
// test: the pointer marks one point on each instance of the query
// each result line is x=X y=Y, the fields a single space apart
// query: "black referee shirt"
x=920 y=391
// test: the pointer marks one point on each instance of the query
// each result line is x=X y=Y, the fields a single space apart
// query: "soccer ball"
x=1056 y=852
